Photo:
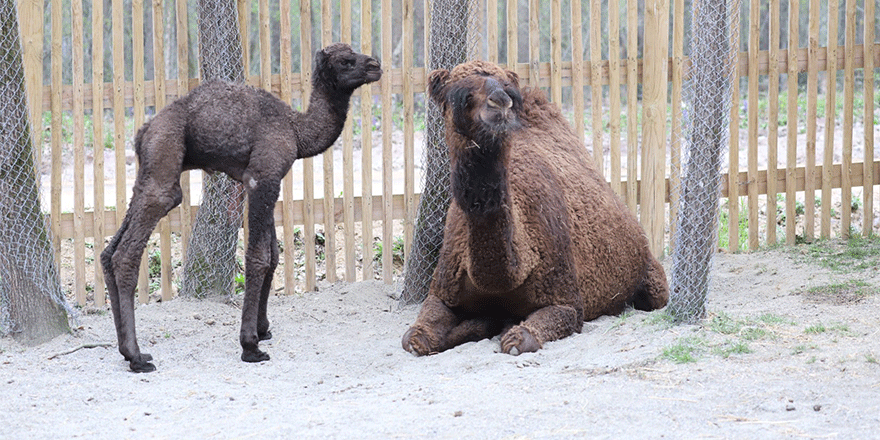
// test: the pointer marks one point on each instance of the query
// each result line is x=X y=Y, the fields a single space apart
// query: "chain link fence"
x=708 y=92
x=32 y=305
x=454 y=38
x=210 y=263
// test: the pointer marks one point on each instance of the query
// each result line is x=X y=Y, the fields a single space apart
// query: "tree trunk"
x=449 y=44
x=710 y=85
x=210 y=266
x=32 y=307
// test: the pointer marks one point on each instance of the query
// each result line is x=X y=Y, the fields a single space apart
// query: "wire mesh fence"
x=32 y=305
x=454 y=37
x=707 y=93
x=210 y=263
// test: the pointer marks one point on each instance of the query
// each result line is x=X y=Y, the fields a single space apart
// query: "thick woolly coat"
x=558 y=236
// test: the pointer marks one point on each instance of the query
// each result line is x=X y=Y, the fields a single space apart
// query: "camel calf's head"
x=343 y=69
x=480 y=99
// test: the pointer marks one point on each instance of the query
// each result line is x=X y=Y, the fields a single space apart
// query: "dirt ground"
x=789 y=349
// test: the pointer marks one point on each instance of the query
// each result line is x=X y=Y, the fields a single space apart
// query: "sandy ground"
x=772 y=360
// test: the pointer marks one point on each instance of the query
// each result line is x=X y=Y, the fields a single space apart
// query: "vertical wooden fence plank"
x=733 y=163
x=812 y=96
x=409 y=114
x=491 y=28
x=775 y=20
x=512 y=34
x=284 y=74
x=556 y=51
x=830 y=118
x=30 y=22
x=119 y=108
x=848 y=86
x=676 y=136
x=137 y=54
x=348 y=161
x=614 y=92
x=305 y=27
x=77 y=58
x=752 y=186
x=655 y=83
x=98 y=147
x=596 y=83
x=55 y=62
x=329 y=220
x=792 y=122
x=534 y=42
x=182 y=29
x=387 y=189
x=577 y=69
x=367 y=148
x=632 y=104
x=868 y=157
x=159 y=88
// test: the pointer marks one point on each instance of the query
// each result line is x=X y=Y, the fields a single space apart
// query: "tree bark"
x=32 y=306
x=710 y=84
x=449 y=38
x=210 y=266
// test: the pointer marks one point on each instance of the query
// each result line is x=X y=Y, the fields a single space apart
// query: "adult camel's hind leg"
x=261 y=258
x=121 y=261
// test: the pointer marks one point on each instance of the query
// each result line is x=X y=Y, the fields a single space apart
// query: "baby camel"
x=254 y=138
x=536 y=241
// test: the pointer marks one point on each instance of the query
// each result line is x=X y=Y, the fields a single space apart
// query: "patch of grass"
x=847 y=292
x=732 y=347
x=869 y=358
x=660 y=318
x=752 y=333
x=724 y=324
x=855 y=254
x=742 y=223
x=685 y=350
x=802 y=348
x=815 y=329
x=771 y=319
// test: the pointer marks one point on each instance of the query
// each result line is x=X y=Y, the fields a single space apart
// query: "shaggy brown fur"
x=535 y=241
x=253 y=137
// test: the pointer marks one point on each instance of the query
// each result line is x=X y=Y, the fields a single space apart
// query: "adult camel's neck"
x=480 y=188
x=322 y=122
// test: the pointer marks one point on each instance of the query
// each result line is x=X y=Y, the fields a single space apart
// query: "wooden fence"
x=622 y=91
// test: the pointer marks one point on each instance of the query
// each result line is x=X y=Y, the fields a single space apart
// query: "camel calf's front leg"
x=543 y=325
x=438 y=328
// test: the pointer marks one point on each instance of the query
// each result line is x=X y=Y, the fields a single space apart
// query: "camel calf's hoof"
x=254 y=356
x=519 y=340
x=264 y=336
x=142 y=364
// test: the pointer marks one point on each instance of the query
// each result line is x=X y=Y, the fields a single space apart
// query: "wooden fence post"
x=654 y=79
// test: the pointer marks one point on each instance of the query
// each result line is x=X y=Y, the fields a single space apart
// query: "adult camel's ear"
x=437 y=85
x=513 y=78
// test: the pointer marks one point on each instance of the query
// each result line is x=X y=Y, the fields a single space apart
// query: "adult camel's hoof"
x=519 y=340
x=254 y=356
x=416 y=342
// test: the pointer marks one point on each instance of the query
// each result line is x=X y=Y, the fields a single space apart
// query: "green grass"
x=742 y=223
x=732 y=347
x=815 y=329
x=855 y=254
x=685 y=350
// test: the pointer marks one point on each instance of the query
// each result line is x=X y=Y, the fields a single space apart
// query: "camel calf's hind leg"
x=121 y=261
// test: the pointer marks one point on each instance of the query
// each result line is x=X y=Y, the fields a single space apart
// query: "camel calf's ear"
x=436 y=84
